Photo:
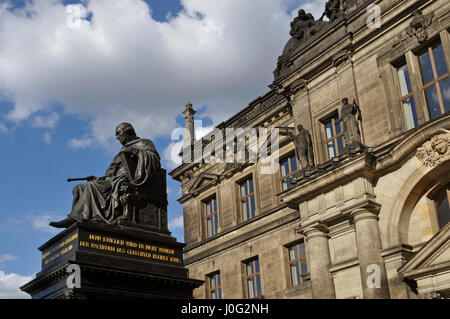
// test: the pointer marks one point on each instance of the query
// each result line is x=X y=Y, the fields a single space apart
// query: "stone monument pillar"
x=189 y=136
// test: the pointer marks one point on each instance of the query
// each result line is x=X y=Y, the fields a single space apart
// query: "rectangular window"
x=247 y=199
x=333 y=134
x=406 y=99
x=297 y=263
x=211 y=216
x=435 y=80
x=288 y=169
x=214 y=286
x=253 y=278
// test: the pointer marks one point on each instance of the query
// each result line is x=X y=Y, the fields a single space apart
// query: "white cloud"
x=3 y=128
x=10 y=283
x=176 y=223
x=47 y=137
x=6 y=257
x=36 y=221
x=79 y=143
x=41 y=222
x=125 y=66
x=48 y=121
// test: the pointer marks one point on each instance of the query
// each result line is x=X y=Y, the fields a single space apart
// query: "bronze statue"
x=133 y=184
x=350 y=115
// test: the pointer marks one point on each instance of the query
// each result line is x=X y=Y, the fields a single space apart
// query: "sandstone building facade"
x=364 y=220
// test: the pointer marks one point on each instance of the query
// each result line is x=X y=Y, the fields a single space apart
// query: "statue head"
x=345 y=100
x=299 y=127
x=125 y=133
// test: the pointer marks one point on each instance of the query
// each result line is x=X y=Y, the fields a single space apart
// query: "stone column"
x=319 y=261
x=371 y=264
x=189 y=125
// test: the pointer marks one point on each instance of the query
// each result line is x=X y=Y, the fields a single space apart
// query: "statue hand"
x=125 y=187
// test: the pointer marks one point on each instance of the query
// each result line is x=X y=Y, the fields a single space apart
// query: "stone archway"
x=432 y=160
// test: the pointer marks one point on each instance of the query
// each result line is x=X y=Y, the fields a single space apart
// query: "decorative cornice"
x=341 y=57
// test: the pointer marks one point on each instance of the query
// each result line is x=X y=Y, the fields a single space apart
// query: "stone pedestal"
x=111 y=262
x=320 y=261
x=368 y=241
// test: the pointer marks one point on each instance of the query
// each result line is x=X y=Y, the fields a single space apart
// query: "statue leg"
x=80 y=204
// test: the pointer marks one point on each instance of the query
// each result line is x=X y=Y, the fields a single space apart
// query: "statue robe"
x=100 y=199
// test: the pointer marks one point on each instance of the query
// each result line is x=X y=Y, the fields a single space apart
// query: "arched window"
x=442 y=201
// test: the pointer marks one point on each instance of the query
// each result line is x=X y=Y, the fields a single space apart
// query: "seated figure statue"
x=134 y=184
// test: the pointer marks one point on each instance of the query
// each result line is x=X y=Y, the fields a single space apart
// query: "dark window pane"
x=439 y=60
x=257 y=265
x=445 y=92
x=425 y=66
x=337 y=126
x=303 y=266
x=220 y=293
x=444 y=213
x=251 y=185
x=340 y=144
x=433 y=102
x=258 y=286
x=252 y=207
x=302 y=249
x=293 y=164
x=409 y=109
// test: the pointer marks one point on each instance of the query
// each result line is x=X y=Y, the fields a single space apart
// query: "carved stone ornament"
x=341 y=58
x=419 y=24
x=436 y=151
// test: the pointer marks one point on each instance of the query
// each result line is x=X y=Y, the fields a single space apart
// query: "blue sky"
x=62 y=92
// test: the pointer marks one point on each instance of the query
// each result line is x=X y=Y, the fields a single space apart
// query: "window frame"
x=332 y=118
x=297 y=261
x=255 y=274
x=288 y=157
x=428 y=48
x=240 y=183
x=206 y=216
x=217 y=288
x=402 y=98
